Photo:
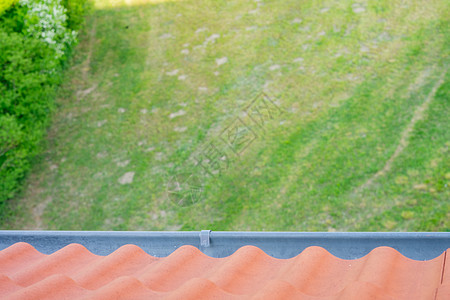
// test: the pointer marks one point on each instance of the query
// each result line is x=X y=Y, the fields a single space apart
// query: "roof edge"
x=345 y=245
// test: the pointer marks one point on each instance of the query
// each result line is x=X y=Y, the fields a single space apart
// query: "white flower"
x=50 y=24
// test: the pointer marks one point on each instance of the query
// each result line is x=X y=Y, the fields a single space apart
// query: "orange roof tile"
x=130 y=273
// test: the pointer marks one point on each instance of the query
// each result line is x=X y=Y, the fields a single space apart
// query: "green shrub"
x=5 y=4
x=30 y=70
x=76 y=10
x=13 y=19
x=26 y=98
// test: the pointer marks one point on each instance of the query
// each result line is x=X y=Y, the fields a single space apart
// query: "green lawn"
x=162 y=123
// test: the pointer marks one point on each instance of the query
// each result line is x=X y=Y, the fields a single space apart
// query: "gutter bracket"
x=204 y=238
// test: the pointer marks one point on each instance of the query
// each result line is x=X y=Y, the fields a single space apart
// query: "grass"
x=151 y=92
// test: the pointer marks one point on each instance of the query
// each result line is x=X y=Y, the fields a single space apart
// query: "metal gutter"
x=345 y=245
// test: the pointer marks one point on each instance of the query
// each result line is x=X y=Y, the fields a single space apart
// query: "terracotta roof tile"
x=130 y=273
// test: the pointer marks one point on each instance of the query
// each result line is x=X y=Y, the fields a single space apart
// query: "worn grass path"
x=249 y=115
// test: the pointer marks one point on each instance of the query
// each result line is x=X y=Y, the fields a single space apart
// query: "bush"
x=5 y=4
x=76 y=10
x=26 y=99
x=34 y=39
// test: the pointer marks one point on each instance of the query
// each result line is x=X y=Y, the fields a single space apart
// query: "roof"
x=129 y=272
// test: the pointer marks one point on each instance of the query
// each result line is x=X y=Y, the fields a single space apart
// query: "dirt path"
x=86 y=66
x=87 y=63
x=404 y=138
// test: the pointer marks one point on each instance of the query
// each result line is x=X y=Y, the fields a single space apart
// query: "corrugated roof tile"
x=130 y=273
